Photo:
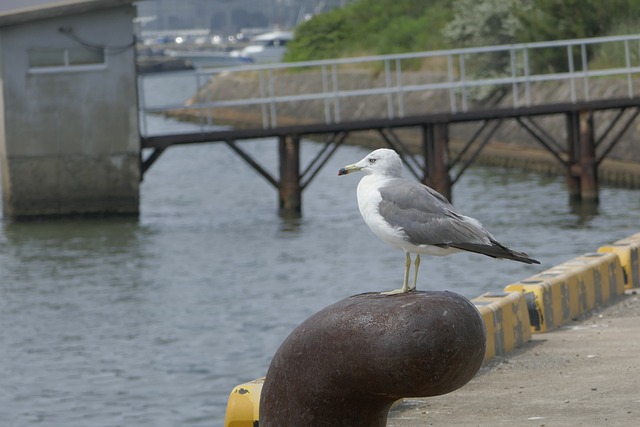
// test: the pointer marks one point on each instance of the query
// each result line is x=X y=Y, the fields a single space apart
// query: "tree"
x=570 y=19
x=371 y=27
x=322 y=37
x=484 y=23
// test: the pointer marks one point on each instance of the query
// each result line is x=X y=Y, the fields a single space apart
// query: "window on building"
x=42 y=60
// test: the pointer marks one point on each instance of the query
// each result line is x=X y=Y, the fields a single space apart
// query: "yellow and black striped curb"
x=506 y=320
x=562 y=293
x=558 y=295
x=628 y=251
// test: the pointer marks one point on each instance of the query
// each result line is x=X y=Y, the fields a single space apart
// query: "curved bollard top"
x=347 y=364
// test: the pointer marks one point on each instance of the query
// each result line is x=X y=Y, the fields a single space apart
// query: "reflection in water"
x=584 y=210
x=291 y=225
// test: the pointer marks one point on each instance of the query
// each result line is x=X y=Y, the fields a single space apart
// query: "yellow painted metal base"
x=243 y=405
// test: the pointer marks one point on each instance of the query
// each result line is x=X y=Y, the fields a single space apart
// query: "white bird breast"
x=369 y=199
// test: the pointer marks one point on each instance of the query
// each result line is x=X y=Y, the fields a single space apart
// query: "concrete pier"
x=583 y=374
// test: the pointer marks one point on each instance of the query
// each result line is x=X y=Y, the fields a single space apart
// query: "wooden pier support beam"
x=289 y=189
x=435 y=143
x=573 y=148
x=588 y=164
x=582 y=167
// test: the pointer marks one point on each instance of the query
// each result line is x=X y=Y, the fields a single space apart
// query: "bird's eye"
x=372 y=161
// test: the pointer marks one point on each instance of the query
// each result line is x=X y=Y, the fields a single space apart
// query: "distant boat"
x=266 y=48
x=209 y=58
x=263 y=49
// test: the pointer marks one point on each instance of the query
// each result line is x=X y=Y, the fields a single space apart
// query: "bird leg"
x=407 y=268
x=405 y=284
x=415 y=272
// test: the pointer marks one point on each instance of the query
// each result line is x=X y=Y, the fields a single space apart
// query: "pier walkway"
x=462 y=93
x=587 y=373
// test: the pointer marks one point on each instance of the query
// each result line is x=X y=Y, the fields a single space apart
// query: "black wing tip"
x=519 y=256
x=496 y=251
x=514 y=255
x=527 y=260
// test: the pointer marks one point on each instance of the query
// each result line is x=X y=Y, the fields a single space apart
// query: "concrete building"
x=69 y=140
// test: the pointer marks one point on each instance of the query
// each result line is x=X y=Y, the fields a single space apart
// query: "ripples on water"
x=151 y=322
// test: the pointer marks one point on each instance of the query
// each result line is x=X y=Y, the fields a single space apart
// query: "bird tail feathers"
x=495 y=250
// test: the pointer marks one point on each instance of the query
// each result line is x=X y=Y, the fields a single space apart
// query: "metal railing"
x=517 y=70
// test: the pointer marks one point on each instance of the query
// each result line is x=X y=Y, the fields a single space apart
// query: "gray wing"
x=428 y=218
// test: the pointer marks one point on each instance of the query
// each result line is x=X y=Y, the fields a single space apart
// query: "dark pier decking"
x=440 y=169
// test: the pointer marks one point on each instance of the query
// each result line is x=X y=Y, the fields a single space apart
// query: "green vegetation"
x=613 y=54
x=484 y=23
x=324 y=36
x=568 y=19
x=373 y=27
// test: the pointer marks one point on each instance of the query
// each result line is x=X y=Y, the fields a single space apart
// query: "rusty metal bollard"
x=348 y=363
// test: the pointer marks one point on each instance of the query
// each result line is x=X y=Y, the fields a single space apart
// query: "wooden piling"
x=289 y=189
x=435 y=138
x=588 y=164
x=573 y=172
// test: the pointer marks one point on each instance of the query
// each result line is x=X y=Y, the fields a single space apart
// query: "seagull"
x=417 y=219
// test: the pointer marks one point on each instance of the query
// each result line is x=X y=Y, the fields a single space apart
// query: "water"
x=151 y=322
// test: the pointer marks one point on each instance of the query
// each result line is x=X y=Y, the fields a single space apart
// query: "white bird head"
x=382 y=161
